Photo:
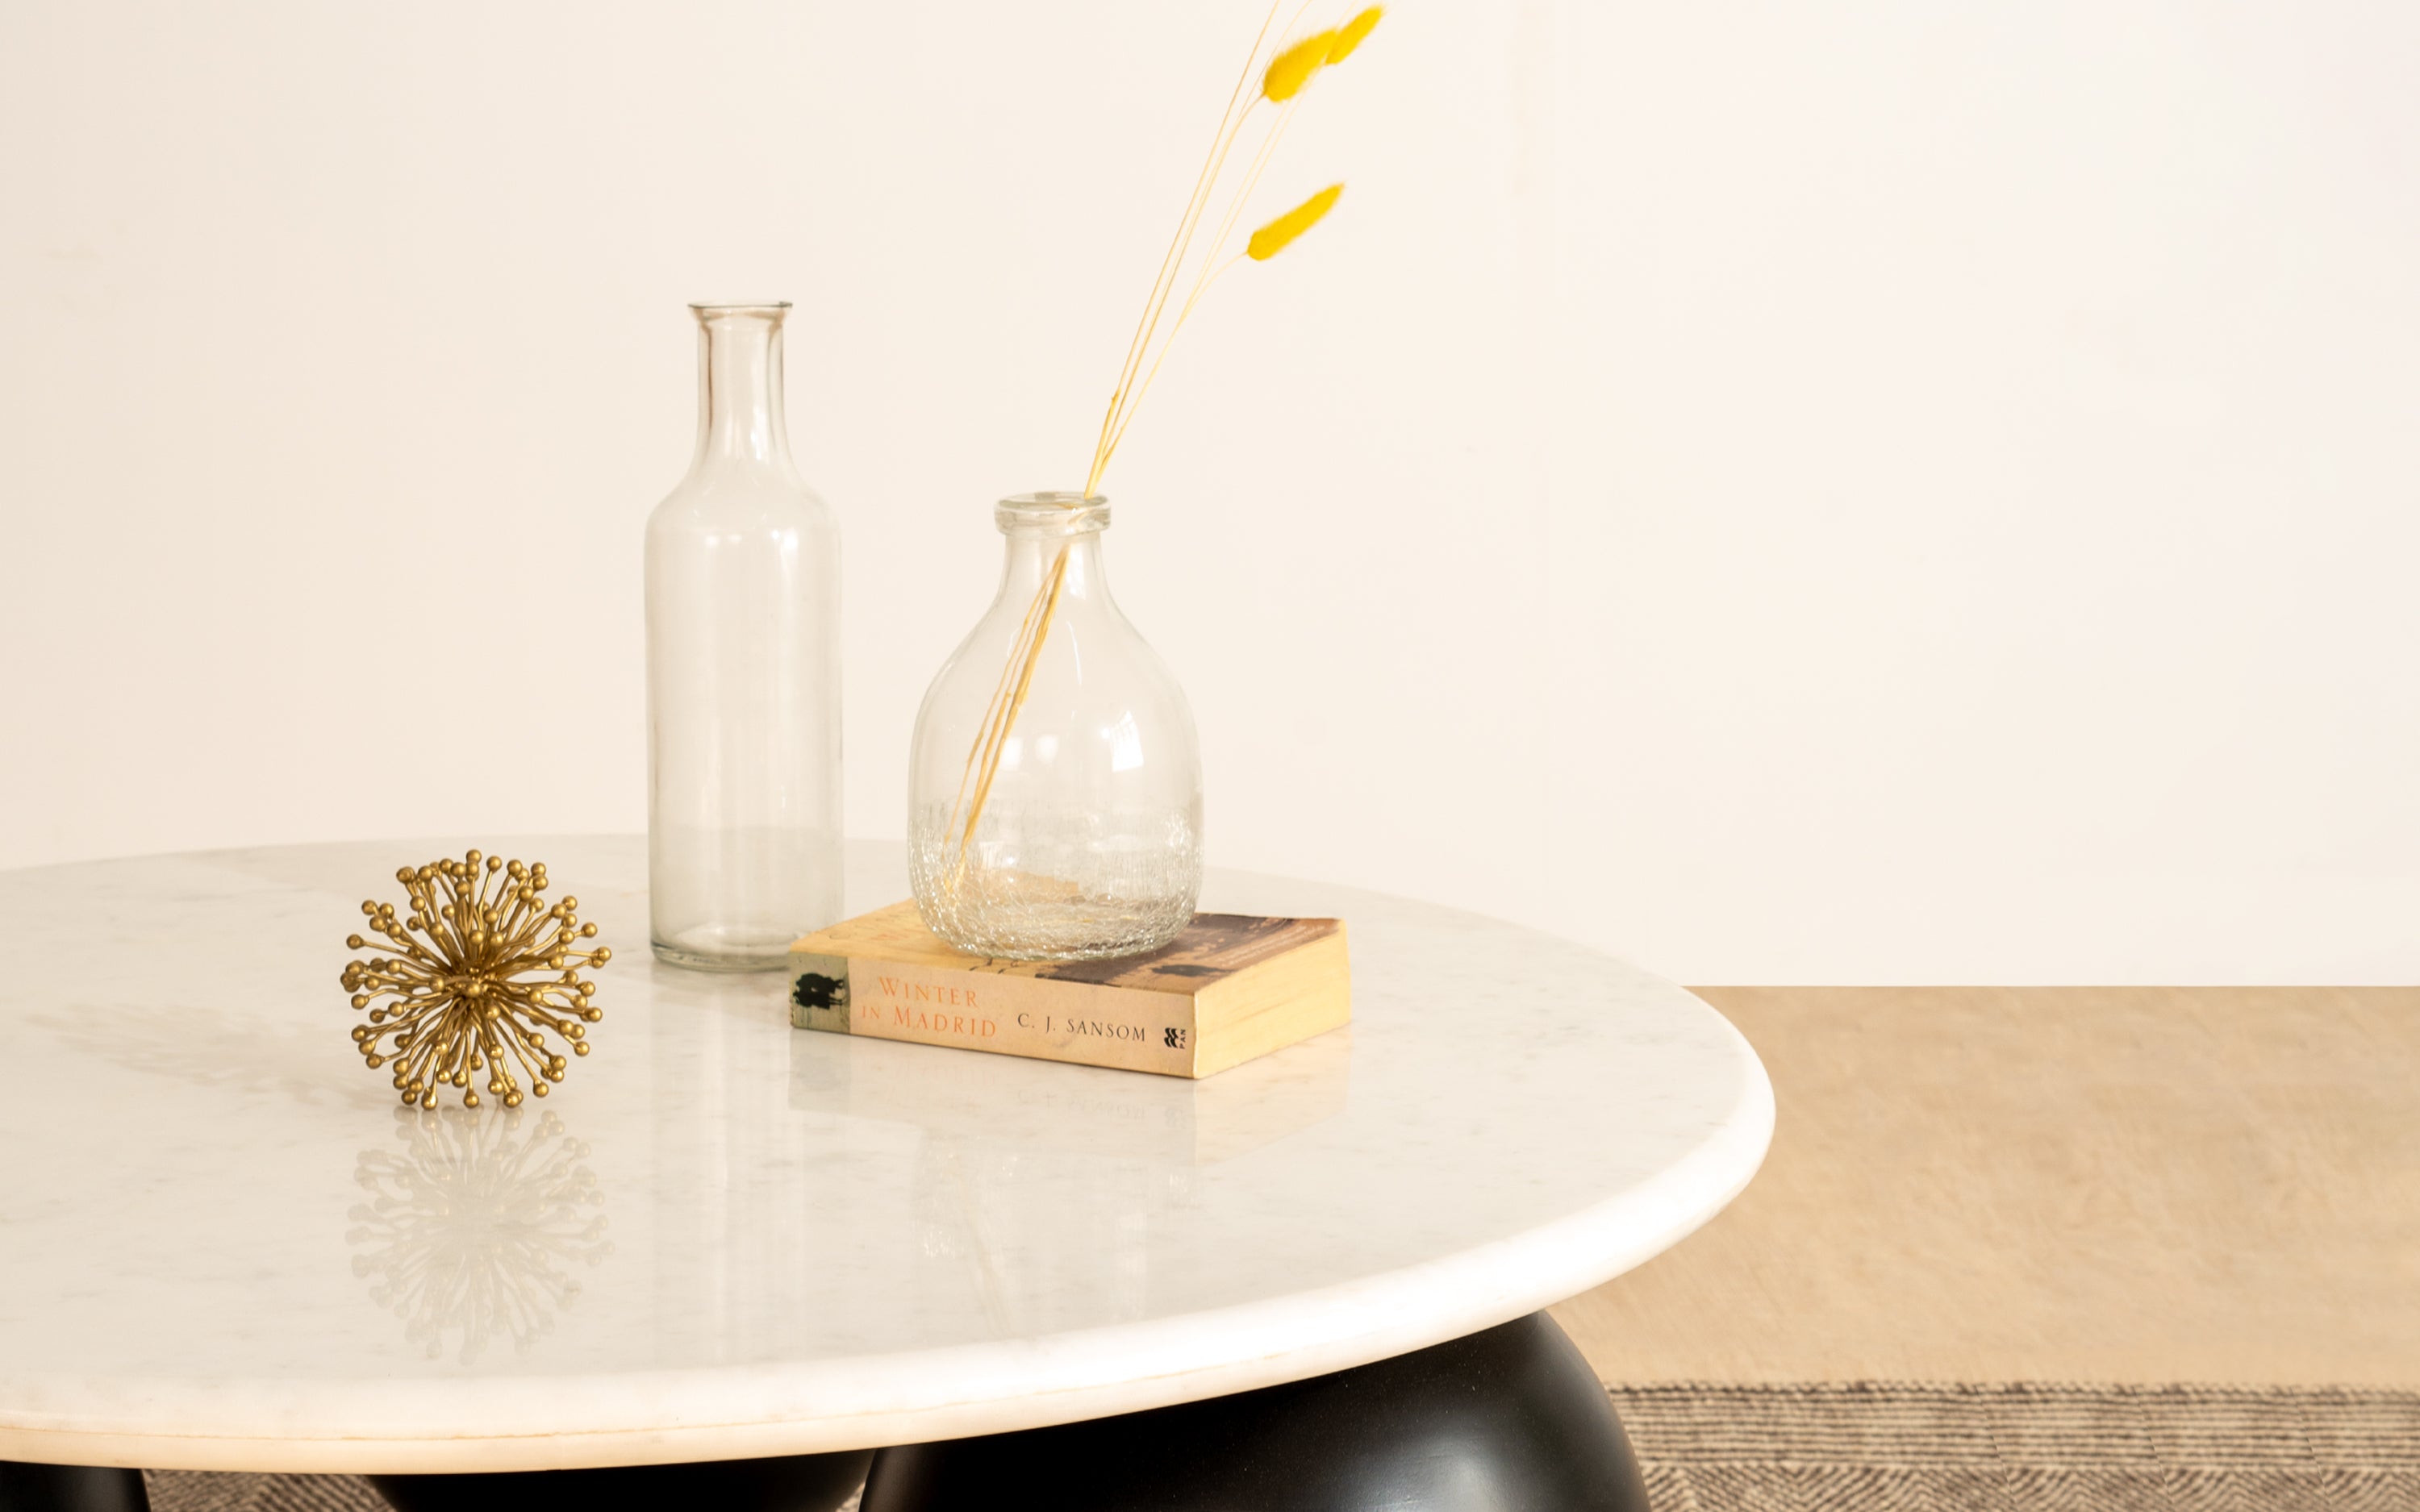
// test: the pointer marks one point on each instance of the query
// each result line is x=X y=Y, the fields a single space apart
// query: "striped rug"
x=1878 y=1447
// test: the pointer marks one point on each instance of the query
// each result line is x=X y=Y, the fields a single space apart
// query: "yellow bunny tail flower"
x=1292 y=69
x=1273 y=238
x=1348 y=36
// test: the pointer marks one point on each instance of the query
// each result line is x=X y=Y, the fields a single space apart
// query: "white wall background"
x=1879 y=491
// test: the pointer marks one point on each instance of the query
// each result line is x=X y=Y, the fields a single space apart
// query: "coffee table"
x=724 y=1247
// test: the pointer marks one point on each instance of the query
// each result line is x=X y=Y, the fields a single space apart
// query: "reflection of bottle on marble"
x=469 y=1226
x=974 y=1200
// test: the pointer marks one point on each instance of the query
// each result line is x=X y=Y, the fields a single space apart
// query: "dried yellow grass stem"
x=1292 y=69
x=1283 y=81
x=1350 y=35
x=1221 y=142
x=1279 y=233
x=1284 y=76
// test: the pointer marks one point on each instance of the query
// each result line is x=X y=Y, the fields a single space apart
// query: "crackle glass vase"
x=743 y=673
x=1055 y=778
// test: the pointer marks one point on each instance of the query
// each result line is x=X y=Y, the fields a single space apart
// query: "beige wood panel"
x=2107 y=1184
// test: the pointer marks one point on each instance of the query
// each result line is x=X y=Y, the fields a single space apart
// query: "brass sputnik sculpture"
x=465 y=995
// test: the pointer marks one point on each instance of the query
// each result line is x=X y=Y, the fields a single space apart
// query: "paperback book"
x=1229 y=988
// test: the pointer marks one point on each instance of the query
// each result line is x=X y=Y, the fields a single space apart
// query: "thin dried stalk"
x=995 y=737
x=1282 y=80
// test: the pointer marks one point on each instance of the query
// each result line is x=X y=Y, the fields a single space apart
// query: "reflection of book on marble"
x=1229 y=988
x=1060 y=1126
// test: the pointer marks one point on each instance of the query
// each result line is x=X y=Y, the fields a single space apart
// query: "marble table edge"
x=844 y=1404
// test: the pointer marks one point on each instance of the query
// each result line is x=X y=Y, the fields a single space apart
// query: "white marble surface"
x=223 y=1246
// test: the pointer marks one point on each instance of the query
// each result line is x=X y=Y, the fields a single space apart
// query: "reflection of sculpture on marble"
x=469 y=1225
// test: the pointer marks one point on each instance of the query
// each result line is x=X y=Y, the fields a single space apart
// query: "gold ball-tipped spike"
x=495 y=969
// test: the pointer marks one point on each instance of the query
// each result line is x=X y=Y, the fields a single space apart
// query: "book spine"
x=1083 y=1022
x=819 y=991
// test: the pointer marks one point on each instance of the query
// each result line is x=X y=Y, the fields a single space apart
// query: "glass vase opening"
x=1055 y=780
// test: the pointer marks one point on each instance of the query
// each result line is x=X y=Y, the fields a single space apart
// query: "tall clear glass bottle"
x=743 y=673
x=1055 y=778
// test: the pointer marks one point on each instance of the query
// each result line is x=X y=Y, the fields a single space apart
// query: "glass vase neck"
x=1053 y=534
x=1051 y=517
x=739 y=411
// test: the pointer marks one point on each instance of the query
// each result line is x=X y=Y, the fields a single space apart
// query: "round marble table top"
x=223 y=1245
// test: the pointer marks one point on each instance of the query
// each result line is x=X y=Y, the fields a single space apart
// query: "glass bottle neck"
x=1033 y=559
x=739 y=413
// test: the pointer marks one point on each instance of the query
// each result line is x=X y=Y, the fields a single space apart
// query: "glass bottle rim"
x=716 y=310
x=1053 y=512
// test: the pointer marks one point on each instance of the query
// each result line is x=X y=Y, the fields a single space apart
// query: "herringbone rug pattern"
x=1881 y=1447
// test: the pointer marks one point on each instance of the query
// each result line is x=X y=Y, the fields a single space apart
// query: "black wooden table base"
x=1512 y=1418
x=70 y=1489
